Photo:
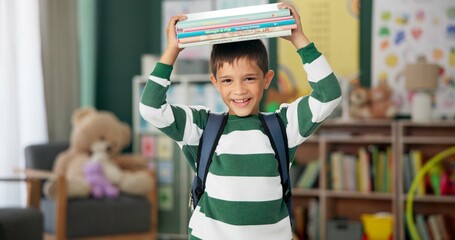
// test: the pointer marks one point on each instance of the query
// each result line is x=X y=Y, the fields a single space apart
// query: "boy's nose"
x=239 y=89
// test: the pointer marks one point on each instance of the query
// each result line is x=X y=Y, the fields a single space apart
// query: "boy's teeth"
x=240 y=100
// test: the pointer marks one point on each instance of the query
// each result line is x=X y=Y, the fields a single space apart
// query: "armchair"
x=125 y=217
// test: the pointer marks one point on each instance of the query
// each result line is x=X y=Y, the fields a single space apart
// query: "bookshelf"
x=348 y=137
x=428 y=138
x=345 y=137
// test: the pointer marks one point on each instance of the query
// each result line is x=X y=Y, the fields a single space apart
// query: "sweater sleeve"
x=304 y=115
x=180 y=122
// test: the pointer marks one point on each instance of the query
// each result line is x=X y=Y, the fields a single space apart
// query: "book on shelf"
x=309 y=176
x=336 y=180
x=235 y=24
x=364 y=170
x=422 y=227
x=417 y=164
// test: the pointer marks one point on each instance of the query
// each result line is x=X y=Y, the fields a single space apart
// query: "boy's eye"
x=226 y=81
x=250 y=79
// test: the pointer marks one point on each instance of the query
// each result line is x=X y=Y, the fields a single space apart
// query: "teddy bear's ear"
x=81 y=113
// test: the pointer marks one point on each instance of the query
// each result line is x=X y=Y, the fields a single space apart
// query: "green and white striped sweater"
x=243 y=198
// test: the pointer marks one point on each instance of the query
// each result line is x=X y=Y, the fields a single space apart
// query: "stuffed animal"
x=359 y=101
x=382 y=105
x=94 y=172
x=89 y=127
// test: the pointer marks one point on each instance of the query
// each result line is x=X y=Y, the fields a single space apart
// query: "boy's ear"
x=214 y=81
x=268 y=78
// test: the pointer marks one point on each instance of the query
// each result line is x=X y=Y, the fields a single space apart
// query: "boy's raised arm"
x=172 y=50
x=298 y=38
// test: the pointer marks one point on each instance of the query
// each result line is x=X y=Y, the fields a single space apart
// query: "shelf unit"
x=430 y=138
x=173 y=220
x=348 y=137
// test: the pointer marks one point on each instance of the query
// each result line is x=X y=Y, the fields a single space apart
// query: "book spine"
x=232 y=11
x=231 y=19
x=235 y=24
x=236 y=28
x=236 y=33
x=238 y=39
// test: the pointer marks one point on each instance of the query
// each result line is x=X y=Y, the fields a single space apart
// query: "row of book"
x=305 y=176
x=439 y=180
x=369 y=170
x=433 y=226
x=234 y=24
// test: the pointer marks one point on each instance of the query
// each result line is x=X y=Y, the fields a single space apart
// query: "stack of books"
x=234 y=24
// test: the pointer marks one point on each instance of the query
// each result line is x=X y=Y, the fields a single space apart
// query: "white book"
x=232 y=11
x=238 y=39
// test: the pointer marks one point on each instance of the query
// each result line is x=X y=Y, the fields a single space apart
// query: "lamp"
x=422 y=78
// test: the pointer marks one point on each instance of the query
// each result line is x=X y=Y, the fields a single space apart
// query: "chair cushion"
x=93 y=217
x=21 y=224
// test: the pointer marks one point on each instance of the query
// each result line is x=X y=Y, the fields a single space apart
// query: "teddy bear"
x=382 y=105
x=359 y=101
x=96 y=171
x=88 y=127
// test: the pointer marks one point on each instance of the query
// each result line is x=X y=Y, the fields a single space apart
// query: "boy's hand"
x=172 y=50
x=297 y=38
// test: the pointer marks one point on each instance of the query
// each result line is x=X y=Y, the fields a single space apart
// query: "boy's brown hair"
x=253 y=50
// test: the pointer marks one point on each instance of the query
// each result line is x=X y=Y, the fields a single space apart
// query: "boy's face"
x=241 y=85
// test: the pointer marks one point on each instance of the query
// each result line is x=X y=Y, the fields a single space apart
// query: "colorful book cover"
x=216 y=14
x=364 y=165
x=348 y=172
x=236 y=34
x=336 y=159
x=235 y=24
x=417 y=162
x=422 y=227
x=236 y=28
x=238 y=39
x=148 y=146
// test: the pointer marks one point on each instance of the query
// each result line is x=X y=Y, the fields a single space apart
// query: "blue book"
x=236 y=28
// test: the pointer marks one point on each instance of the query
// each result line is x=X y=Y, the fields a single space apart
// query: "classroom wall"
x=126 y=30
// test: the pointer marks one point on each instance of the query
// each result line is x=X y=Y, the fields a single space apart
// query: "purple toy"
x=100 y=185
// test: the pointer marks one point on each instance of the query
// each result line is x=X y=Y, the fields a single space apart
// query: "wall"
x=126 y=30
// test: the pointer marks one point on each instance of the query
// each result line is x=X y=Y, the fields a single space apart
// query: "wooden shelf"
x=359 y=195
x=431 y=199
x=347 y=137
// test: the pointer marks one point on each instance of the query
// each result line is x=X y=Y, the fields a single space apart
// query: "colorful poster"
x=406 y=30
x=334 y=27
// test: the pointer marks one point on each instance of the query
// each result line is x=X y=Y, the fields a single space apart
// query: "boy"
x=243 y=195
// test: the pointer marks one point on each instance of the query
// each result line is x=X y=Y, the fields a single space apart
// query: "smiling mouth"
x=241 y=101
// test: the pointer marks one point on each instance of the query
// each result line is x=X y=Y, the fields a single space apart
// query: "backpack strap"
x=210 y=136
x=275 y=130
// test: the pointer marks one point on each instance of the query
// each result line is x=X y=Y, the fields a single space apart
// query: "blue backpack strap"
x=275 y=130
x=207 y=144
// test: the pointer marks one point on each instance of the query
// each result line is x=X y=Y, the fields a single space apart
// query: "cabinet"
x=429 y=139
x=341 y=200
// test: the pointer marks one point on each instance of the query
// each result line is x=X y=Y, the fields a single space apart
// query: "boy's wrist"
x=169 y=56
x=300 y=42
